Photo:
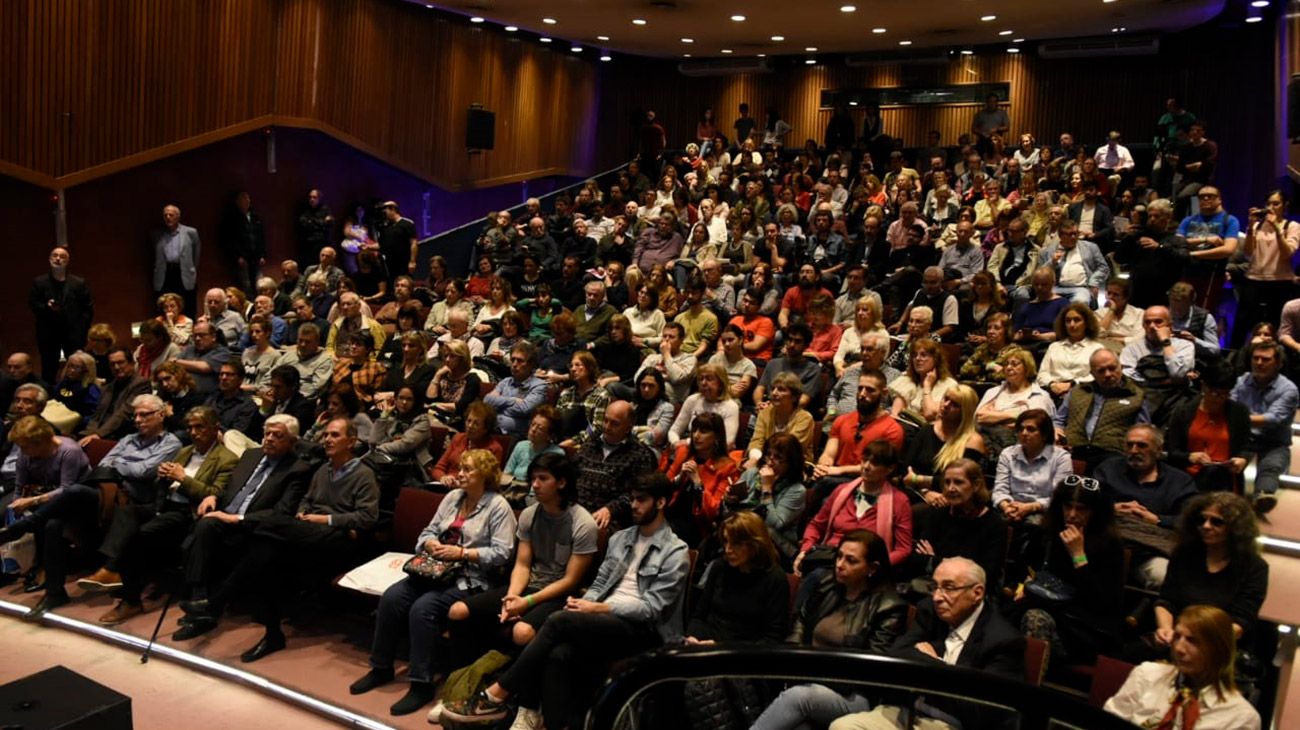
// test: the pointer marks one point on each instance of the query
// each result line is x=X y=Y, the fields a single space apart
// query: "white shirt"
x=1086 y=215
x=957 y=637
x=1072 y=271
x=1068 y=361
x=1148 y=692
x=1126 y=328
x=1118 y=159
x=628 y=591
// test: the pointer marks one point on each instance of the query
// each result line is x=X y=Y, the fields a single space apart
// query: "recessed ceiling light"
x=606 y=58
x=904 y=43
x=544 y=39
x=476 y=19
x=1017 y=40
x=987 y=18
x=1005 y=32
x=549 y=21
x=811 y=49
x=1259 y=3
x=688 y=40
x=1254 y=19
x=1108 y=1
x=686 y=55
x=638 y=21
x=848 y=8
x=762 y=55
x=511 y=29
x=967 y=52
x=853 y=103
x=811 y=61
x=1013 y=49
x=602 y=37
x=726 y=50
x=879 y=30
x=778 y=38
x=738 y=18
x=576 y=49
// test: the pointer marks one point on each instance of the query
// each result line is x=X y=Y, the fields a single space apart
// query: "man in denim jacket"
x=634 y=605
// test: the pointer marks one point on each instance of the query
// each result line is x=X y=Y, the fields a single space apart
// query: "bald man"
x=176 y=259
x=63 y=308
x=609 y=465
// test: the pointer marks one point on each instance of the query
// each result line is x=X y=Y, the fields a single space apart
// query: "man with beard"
x=1149 y=491
x=1154 y=254
x=797 y=338
x=63 y=309
x=852 y=433
x=1093 y=419
x=1272 y=399
x=794 y=305
x=633 y=605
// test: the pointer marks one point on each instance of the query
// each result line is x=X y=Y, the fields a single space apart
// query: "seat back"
x=1107 y=678
x=96 y=450
x=415 y=509
x=1036 y=654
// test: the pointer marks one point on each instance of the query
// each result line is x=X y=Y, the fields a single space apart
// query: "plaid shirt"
x=364 y=379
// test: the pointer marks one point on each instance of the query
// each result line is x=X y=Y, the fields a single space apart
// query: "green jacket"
x=213 y=474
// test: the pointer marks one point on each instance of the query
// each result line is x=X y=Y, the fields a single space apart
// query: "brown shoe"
x=102 y=580
x=121 y=612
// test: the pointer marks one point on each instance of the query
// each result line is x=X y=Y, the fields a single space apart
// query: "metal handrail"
x=457 y=244
x=1038 y=708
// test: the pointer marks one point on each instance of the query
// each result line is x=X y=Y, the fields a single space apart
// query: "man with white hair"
x=333 y=274
x=264 y=306
x=132 y=463
x=351 y=321
x=176 y=259
x=541 y=245
x=217 y=312
x=958 y=627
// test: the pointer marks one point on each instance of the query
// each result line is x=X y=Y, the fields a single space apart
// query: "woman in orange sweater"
x=702 y=473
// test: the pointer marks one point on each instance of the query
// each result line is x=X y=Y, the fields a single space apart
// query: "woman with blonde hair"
x=713 y=396
x=1002 y=404
x=784 y=415
x=99 y=342
x=76 y=387
x=921 y=388
x=866 y=320
x=179 y=327
x=1196 y=687
x=952 y=437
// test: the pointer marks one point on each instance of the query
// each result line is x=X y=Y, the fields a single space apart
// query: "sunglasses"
x=1088 y=483
x=1213 y=520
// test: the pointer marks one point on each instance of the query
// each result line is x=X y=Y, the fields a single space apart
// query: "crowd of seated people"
x=981 y=390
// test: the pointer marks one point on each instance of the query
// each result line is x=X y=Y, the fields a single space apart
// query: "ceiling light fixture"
x=738 y=18
x=638 y=21
x=811 y=49
x=606 y=58
x=1259 y=3
x=987 y=18
x=726 y=50
x=688 y=40
x=904 y=43
x=549 y=21
x=967 y=52
x=602 y=37
x=762 y=55
x=1254 y=19
x=686 y=55
x=778 y=38
x=848 y=8
x=879 y=30
x=511 y=28
x=576 y=49
x=476 y=19
x=1005 y=32
x=1013 y=49
x=1017 y=40
x=811 y=61
x=544 y=39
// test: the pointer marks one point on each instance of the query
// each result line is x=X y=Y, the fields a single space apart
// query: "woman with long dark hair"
x=652 y=411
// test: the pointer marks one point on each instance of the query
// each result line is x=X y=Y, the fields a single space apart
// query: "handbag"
x=435 y=570
x=1049 y=587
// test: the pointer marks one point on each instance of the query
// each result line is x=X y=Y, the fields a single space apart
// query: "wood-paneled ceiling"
x=872 y=25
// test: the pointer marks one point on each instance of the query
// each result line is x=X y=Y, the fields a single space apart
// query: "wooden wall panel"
x=91 y=86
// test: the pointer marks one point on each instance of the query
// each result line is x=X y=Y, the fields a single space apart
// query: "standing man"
x=176 y=259
x=990 y=121
x=1272 y=399
x=398 y=243
x=63 y=309
x=243 y=238
x=314 y=224
x=1154 y=254
x=1212 y=236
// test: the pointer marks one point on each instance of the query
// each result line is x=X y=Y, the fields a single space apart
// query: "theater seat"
x=96 y=450
x=415 y=509
x=1108 y=676
x=1036 y=653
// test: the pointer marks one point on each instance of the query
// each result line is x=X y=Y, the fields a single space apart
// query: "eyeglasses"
x=951 y=591
x=1088 y=483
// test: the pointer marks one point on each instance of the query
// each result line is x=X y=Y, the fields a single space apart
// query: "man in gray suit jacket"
x=176 y=259
x=1080 y=267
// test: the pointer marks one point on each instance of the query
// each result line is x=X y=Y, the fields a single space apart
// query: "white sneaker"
x=527 y=719
x=435 y=715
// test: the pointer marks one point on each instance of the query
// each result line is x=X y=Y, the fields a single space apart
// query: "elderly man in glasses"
x=958 y=627
x=1149 y=496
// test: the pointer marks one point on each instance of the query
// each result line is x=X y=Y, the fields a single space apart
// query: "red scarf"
x=1185 y=698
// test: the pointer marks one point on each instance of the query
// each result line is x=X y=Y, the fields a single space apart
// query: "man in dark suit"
x=266 y=481
x=176 y=259
x=1100 y=222
x=112 y=418
x=958 y=627
x=63 y=309
x=143 y=536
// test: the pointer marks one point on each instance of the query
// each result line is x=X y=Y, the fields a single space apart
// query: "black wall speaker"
x=60 y=699
x=480 y=129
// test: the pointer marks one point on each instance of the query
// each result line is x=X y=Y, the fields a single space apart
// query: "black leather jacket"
x=878 y=620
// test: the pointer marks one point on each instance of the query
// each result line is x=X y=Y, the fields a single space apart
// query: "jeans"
x=1077 y=294
x=808 y=705
x=1274 y=461
x=410 y=604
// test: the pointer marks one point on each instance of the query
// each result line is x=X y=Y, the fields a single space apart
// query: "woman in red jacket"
x=702 y=473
